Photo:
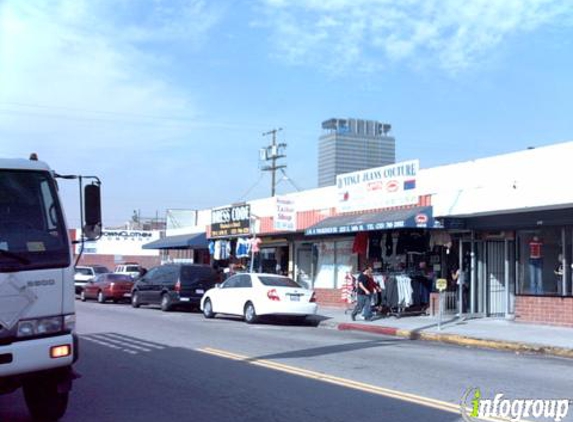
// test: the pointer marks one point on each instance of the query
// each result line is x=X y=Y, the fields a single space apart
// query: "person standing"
x=535 y=265
x=559 y=275
x=366 y=287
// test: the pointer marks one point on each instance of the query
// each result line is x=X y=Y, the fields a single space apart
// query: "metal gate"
x=495 y=278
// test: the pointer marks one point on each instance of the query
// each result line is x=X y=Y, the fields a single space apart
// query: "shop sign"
x=285 y=214
x=381 y=187
x=421 y=221
x=121 y=242
x=231 y=221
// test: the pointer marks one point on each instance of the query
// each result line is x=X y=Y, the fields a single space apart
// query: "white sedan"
x=252 y=295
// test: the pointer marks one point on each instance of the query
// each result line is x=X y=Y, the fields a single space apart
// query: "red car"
x=110 y=286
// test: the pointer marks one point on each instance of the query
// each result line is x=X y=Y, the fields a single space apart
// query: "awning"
x=182 y=241
x=412 y=218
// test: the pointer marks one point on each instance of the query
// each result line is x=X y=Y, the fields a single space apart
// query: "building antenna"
x=272 y=153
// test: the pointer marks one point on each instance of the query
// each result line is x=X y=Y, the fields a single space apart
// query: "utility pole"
x=272 y=153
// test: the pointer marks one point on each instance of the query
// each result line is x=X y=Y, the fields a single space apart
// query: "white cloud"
x=83 y=69
x=342 y=35
x=88 y=85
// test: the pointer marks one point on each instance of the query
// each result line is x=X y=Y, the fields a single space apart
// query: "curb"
x=460 y=340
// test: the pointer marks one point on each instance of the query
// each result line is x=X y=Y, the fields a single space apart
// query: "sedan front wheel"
x=208 y=309
x=135 y=300
x=250 y=313
x=100 y=297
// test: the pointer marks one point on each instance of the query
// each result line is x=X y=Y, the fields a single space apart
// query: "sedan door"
x=144 y=285
x=243 y=294
x=222 y=297
x=91 y=289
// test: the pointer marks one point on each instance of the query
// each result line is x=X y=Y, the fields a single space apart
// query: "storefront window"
x=346 y=261
x=335 y=259
x=541 y=254
x=325 y=266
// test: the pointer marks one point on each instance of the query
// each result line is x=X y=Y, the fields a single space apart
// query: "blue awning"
x=182 y=241
x=411 y=218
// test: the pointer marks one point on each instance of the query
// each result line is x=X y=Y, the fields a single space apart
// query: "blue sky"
x=166 y=101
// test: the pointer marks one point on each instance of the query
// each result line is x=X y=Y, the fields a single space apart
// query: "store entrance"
x=304 y=266
x=491 y=266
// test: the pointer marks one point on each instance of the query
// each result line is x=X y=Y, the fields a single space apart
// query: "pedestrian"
x=231 y=271
x=365 y=288
x=559 y=275
x=461 y=287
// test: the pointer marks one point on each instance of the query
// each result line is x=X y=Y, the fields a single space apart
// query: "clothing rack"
x=403 y=295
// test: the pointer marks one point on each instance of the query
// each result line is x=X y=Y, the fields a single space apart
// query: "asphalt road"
x=146 y=365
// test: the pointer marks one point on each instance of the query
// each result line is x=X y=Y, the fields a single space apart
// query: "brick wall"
x=330 y=297
x=544 y=310
x=109 y=261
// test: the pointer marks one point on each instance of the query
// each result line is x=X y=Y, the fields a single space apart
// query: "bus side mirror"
x=92 y=211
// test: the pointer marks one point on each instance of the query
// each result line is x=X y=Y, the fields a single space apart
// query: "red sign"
x=421 y=219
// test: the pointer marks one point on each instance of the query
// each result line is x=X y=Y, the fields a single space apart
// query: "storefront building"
x=118 y=246
x=506 y=222
x=516 y=213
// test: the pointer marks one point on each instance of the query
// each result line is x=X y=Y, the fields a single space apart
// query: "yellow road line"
x=344 y=382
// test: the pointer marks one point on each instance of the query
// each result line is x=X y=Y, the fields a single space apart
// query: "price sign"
x=441 y=284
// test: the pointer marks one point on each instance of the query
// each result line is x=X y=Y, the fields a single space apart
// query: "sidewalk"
x=489 y=333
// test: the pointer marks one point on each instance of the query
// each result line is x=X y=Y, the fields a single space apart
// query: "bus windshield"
x=32 y=229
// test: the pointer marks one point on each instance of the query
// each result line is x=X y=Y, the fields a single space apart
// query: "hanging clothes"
x=217 y=250
x=374 y=247
x=391 y=292
x=211 y=248
x=388 y=243
x=360 y=245
x=404 y=290
x=440 y=238
x=243 y=246
x=256 y=244
x=222 y=250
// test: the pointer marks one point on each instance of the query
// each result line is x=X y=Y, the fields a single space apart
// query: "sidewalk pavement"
x=491 y=333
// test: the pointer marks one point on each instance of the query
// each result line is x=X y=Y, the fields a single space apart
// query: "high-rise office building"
x=353 y=144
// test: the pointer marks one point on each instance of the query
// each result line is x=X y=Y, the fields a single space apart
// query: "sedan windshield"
x=278 y=281
x=32 y=232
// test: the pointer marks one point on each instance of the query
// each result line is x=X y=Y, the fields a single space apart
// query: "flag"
x=410 y=184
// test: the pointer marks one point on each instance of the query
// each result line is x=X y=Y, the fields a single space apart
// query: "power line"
x=290 y=180
x=251 y=188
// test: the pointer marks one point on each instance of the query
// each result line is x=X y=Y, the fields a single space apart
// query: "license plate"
x=184 y=299
x=200 y=291
x=127 y=295
x=295 y=298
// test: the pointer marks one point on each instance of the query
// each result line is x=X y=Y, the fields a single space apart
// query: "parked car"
x=253 y=295
x=134 y=270
x=110 y=286
x=85 y=273
x=174 y=285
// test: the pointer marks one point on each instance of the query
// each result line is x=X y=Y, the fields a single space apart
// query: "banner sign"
x=231 y=221
x=121 y=242
x=416 y=218
x=285 y=214
x=381 y=187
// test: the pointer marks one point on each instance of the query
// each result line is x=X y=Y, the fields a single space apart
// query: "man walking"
x=365 y=288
